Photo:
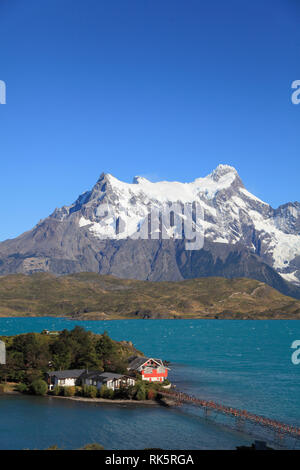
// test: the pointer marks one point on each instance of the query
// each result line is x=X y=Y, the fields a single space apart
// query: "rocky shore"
x=108 y=401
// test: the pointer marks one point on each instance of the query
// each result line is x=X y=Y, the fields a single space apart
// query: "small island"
x=80 y=365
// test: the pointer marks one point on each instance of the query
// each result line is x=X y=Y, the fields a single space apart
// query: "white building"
x=110 y=379
x=70 y=378
x=64 y=378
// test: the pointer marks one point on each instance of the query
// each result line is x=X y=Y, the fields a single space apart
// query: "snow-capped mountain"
x=231 y=214
x=100 y=232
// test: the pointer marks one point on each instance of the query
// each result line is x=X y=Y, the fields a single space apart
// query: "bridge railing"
x=244 y=414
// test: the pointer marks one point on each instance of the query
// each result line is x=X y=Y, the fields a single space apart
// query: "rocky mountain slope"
x=93 y=296
x=101 y=232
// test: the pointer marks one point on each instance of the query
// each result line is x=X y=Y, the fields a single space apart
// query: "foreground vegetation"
x=92 y=446
x=31 y=355
x=93 y=296
x=140 y=391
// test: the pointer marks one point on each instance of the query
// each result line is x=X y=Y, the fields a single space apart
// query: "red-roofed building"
x=152 y=370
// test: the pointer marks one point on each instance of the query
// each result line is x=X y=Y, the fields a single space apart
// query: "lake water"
x=244 y=364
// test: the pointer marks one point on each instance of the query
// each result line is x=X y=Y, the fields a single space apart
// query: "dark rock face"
x=244 y=237
x=232 y=262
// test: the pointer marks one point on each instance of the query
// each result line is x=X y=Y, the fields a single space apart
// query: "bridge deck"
x=243 y=414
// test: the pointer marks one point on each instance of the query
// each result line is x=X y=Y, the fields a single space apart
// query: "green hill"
x=93 y=296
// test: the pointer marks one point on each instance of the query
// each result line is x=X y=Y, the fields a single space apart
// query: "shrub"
x=151 y=394
x=140 y=392
x=69 y=391
x=22 y=388
x=110 y=393
x=130 y=391
x=39 y=387
x=92 y=391
x=89 y=391
x=56 y=390
x=103 y=392
x=106 y=392
x=78 y=391
x=122 y=393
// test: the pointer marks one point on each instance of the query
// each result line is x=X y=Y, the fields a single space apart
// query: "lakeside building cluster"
x=150 y=369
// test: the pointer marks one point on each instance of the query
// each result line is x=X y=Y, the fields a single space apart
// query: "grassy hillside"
x=93 y=296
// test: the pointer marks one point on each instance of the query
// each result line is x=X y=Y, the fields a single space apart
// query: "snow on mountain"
x=232 y=215
x=131 y=201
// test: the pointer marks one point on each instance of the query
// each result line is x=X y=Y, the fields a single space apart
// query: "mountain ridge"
x=244 y=236
x=97 y=297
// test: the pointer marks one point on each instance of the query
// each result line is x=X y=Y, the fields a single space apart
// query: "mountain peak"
x=139 y=180
x=104 y=177
x=223 y=170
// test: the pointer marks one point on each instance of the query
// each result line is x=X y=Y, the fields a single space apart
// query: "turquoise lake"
x=243 y=364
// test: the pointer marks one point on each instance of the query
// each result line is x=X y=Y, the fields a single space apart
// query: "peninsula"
x=80 y=365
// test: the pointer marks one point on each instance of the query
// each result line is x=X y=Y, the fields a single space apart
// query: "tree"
x=33 y=349
x=116 y=364
x=31 y=355
x=61 y=354
x=105 y=347
x=75 y=349
x=39 y=387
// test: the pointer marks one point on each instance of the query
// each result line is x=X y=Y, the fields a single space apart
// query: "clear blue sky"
x=167 y=89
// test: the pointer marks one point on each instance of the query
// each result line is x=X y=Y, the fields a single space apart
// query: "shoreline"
x=108 y=401
x=216 y=317
x=102 y=401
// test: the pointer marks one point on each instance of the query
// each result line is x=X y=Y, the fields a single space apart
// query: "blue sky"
x=167 y=89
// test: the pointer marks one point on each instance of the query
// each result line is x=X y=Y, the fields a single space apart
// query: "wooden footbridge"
x=281 y=429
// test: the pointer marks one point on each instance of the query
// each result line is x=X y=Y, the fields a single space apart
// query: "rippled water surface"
x=245 y=364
